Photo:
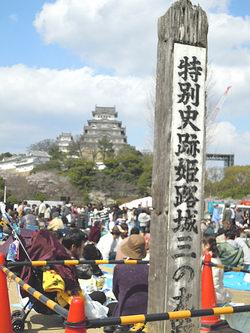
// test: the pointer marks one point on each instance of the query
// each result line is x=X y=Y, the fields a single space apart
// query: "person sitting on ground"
x=210 y=246
x=56 y=223
x=241 y=241
x=29 y=220
x=120 y=255
x=74 y=242
x=229 y=252
x=94 y=285
x=91 y=252
x=124 y=230
x=130 y=282
x=59 y=279
x=54 y=279
x=57 y=227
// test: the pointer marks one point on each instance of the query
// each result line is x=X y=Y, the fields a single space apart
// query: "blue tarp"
x=235 y=280
x=108 y=272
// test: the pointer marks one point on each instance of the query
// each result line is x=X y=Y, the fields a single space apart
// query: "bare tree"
x=43 y=145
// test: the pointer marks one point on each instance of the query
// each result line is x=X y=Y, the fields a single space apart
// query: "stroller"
x=44 y=246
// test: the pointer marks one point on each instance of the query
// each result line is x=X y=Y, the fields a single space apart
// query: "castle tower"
x=103 y=124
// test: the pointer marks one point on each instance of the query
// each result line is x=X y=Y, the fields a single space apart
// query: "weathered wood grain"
x=187 y=24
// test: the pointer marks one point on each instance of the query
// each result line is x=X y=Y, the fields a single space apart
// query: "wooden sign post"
x=177 y=187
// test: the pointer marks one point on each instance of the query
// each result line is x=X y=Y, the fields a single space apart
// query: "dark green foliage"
x=128 y=172
x=2 y=183
x=11 y=199
x=39 y=196
x=1 y=194
x=81 y=173
x=127 y=165
x=5 y=155
x=145 y=179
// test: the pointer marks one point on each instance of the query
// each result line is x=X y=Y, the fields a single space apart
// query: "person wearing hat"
x=144 y=220
x=130 y=282
x=120 y=255
x=108 y=243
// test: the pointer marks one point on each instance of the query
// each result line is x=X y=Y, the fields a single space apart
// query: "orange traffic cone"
x=76 y=316
x=208 y=297
x=6 y=322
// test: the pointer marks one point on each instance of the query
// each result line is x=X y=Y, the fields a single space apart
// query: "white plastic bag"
x=94 y=309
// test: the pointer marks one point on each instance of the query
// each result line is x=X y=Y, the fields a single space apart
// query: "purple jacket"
x=130 y=286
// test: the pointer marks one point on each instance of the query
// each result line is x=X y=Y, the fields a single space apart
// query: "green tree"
x=81 y=173
x=40 y=196
x=127 y=165
x=11 y=199
x=2 y=184
x=145 y=179
x=55 y=153
x=105 y=147
x=5 y=155
x=235 y=184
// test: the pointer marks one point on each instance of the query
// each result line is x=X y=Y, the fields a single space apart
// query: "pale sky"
x=59 y=58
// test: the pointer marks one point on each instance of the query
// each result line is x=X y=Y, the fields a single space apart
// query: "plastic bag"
x=94 y=309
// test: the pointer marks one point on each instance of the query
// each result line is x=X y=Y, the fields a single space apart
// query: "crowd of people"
x=91 y=233
x=96 y=232
x=226 y=238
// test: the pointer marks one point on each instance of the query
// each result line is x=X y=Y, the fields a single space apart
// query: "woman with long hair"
x=222 y=295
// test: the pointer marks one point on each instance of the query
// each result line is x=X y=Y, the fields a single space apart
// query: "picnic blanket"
x=237 y=280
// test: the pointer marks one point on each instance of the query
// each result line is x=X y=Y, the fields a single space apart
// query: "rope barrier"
x=174 y=315
x=36 y=294
x=125 y=320
x=40 y=263
x=228 y=268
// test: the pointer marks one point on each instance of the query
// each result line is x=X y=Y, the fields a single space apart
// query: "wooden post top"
x=191 y=20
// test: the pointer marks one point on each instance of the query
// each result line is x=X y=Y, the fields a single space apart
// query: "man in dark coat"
x=130 y=282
